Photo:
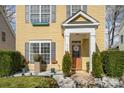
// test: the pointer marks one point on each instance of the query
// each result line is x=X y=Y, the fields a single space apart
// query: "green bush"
x=5 y=67
x=10 y=62
x=97 y=66
x=113 y=63
x=66 y=64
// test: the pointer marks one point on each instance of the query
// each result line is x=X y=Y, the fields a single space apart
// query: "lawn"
x=28 y=82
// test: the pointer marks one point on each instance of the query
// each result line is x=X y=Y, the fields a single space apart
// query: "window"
x=75 y=8
x=45 y=13
x=72 y=9
x=40 y=13
x=122 y=38
x=42 y=48
x=35 y=13
x=3 y=36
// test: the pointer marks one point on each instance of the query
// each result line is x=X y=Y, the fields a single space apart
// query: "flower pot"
x=54 y=62
x=37 y=67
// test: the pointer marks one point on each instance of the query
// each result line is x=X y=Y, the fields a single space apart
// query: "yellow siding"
x=98 y=13
x=80 y=18
x=26 y=32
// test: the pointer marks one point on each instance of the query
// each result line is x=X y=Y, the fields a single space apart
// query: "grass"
x=28 y=82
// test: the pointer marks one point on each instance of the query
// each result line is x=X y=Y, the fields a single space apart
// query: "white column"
x=66 y=42
x=92 y=49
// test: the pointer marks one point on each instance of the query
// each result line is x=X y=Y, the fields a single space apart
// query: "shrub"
x=53 y=70
x=113 y=63
x=66 y=64
x=97 y=66
x=10 y=62
x=5 y=62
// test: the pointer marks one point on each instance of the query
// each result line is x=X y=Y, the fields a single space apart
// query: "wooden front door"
x=76 y=57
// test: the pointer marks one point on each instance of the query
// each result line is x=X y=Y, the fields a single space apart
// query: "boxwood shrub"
x=97 y=65
x=66 y=64
x=113 y=63
x=10 y=62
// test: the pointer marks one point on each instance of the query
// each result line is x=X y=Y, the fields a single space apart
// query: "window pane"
x=45 y=13
x=34 y=48
x=45 y=18
x=75 y=8
x=35 y=9
x=46 y=58
x=35 y=18
x=32 y=57
x=45 y=48
x=45 y=9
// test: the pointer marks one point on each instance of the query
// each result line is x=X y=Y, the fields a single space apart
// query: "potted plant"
x=37 y=62
x=53 y=70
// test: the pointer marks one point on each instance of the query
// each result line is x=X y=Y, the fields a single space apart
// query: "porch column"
x=66 y=42
x=92 y=48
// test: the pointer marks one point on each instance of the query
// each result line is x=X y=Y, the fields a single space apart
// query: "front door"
x=76 y=57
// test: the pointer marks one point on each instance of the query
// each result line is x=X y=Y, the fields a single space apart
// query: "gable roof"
x=89 y=20
x=7 y=22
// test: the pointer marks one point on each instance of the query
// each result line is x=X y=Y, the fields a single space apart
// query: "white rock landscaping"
x=79 y=81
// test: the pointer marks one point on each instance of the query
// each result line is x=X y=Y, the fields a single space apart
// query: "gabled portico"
x=77 y=28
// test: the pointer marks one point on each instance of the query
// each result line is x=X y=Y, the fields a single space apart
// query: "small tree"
x=97 y=66
x=66 y=64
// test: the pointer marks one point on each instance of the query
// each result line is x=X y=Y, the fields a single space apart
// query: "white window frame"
x=40 y=13
x=71 y=9
x=41 y=41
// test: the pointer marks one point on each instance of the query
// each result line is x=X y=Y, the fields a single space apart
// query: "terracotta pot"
x=54 y=62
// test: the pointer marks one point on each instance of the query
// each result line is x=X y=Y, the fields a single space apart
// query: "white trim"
x=90 y=24
x=40 y=41
x=29 y=52
x=82 y=7
x=50 y=21
x=92 y=49
x=29 y=13
x=82 y=14
x=50 y=54
x=70 y=10
x=79 y=30
x=92 y=40
x=40 y=13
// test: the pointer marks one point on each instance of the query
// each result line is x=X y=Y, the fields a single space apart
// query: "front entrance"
x=76 y=55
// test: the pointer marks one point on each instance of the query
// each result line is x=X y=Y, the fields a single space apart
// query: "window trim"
x=71 y=9
x=40 y=13
x=41 y=41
